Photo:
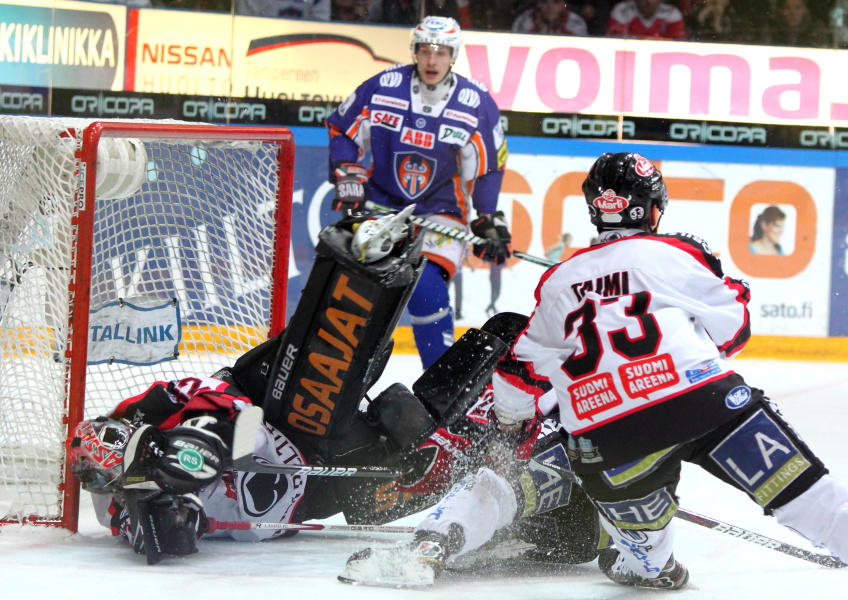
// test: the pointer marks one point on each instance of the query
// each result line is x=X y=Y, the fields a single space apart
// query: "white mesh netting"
x=186 y=223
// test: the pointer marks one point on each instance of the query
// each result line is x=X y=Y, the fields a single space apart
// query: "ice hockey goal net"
x=130 y=252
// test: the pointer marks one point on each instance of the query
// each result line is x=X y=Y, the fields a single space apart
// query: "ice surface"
x=40 y=563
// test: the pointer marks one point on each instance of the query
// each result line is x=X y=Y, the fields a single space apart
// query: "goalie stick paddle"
x=458 y=234
x=248 y=423
x=824 y=560
x=214 y=525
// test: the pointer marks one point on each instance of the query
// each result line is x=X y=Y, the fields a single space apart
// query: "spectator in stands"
x=494 y=15
x=550 y=16
x=401 y=12
x=594 y=12
x=648 y=19
x=793 y=25
x=318 y=10
x=357 y=11
x=713 y=21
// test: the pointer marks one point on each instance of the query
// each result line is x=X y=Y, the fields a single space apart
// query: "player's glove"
x=350 y=186
x=162 y=524
x=430 y=470
x=494 y=230
x=510 y=442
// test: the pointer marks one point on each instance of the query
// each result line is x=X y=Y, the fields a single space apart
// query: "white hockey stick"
x=458 y=234
x=215 y=525
x=248 y=423
x=825 y=560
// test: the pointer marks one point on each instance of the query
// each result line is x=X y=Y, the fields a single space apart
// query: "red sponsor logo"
x=608 y=202
x=650 y=375
x=418 y=138
x=593 y=395
x=643 y=166
x=386 y=119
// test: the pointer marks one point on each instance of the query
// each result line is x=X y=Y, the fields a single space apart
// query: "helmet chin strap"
x=656 y=227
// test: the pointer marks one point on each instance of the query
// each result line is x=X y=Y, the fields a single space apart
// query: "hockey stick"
x=214 y=526
x=248 y=423
x=824 y=560
x=457 y=234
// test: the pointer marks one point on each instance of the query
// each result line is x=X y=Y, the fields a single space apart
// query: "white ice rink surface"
x=36 y=563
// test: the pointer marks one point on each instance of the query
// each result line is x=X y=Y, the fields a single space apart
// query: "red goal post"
x=130 y=252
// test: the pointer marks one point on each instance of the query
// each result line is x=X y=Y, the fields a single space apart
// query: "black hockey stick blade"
x=247 y=425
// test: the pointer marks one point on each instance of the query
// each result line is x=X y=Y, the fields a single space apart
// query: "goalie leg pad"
x=330 y=353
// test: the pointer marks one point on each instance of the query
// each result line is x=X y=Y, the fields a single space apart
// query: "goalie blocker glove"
x=181 y=460
x=163 y=524
x=494 y=230
x=350 y=181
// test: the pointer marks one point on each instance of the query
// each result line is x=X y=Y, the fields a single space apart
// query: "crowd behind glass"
x=810 y=23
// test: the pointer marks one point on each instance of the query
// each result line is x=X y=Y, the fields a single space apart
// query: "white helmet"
x=442 y=31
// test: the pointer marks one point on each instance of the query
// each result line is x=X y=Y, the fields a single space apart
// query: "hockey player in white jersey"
x=633 y=334
x=422 y=134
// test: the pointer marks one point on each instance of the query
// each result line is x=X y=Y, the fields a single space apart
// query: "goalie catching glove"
x=494 y=230
x=350 y=181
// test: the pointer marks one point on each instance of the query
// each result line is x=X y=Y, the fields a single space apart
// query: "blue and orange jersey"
x=446 y=159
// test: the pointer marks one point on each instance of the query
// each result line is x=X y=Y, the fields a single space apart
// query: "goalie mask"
x=96 y=453
x=621 y=189
x=439 y=31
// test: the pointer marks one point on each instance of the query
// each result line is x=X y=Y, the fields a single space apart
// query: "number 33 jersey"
x=633 y=332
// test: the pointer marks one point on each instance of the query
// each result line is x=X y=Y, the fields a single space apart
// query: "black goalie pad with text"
x=334 y=345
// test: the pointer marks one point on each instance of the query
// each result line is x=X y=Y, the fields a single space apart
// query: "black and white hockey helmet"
x=620 y=190
x=96 y=453
x=440 y=31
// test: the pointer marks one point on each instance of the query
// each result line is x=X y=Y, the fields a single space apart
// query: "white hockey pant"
x=821 y=515
x=645 y=551
x=481 y=503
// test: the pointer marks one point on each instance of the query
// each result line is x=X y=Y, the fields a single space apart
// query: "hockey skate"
x=405 y=566
x=673 y=576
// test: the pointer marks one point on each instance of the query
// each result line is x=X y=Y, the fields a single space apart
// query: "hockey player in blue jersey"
x=421 y=134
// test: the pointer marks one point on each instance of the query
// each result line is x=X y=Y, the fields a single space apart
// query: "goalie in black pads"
x=159 y=464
